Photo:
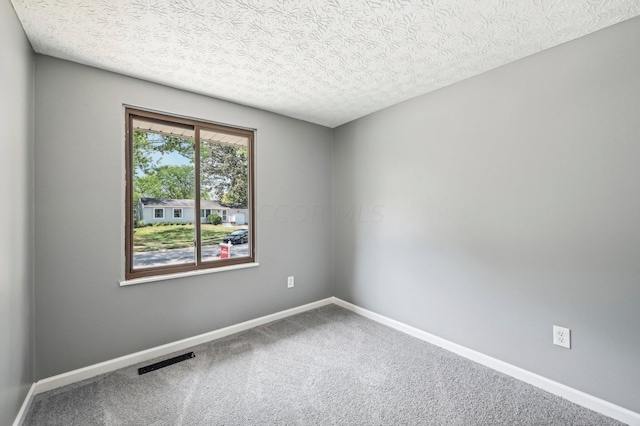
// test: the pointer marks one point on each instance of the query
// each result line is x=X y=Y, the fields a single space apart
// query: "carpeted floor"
x=327 y=366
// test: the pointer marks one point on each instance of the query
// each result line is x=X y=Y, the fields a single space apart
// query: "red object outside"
x=224 y=251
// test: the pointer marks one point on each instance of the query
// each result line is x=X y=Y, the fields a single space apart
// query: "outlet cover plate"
x=562 y=336
x=290 y=282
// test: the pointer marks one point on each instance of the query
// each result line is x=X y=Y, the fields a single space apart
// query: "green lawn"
x=152 y=238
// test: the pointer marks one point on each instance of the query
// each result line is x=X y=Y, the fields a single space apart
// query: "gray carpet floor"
x=327 y=366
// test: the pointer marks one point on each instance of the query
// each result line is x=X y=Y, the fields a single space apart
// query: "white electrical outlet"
x=290 y=283
x=562 y=337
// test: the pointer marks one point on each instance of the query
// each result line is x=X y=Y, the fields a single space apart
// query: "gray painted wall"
x=487 y=211
x=16 y=214
x=83 y=316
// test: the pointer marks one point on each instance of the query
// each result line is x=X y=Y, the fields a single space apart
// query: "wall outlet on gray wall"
x=562 y=337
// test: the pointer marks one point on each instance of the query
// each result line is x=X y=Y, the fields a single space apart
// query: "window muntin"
x=199 y=166
x=158 y=213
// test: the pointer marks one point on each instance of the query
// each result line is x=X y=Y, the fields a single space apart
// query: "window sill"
x=187 y=274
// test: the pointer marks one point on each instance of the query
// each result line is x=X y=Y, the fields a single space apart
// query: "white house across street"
x=158 y=210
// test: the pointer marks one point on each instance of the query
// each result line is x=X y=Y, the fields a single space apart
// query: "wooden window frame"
x=155 y=209
x=176 y=209
x=197 y=124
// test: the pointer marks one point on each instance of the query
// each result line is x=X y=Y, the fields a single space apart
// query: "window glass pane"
x=163 y=194
x=190 y=206
x=224 y=190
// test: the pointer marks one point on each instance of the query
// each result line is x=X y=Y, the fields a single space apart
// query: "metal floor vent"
x=165 y=363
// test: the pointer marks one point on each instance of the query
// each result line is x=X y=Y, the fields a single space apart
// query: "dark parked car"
x=237 y=237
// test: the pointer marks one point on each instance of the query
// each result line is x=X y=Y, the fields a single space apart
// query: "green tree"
x=224 y=170
x=166 y=182
x=142 y=150
x=165 y=144
x=147 y=145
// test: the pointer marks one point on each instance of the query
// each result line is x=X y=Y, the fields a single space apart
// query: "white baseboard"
x=573 y=395
x=25 y=406
x=74 y=376
x=588 y=401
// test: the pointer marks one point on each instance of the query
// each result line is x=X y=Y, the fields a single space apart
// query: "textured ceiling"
x=324 y=61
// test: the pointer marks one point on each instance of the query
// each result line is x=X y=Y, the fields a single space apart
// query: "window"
x=197 y=165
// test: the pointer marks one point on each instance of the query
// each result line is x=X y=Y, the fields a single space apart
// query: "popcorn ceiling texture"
x=327 y=62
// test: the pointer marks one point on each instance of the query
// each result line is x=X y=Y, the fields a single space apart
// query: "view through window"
x=189 y=194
